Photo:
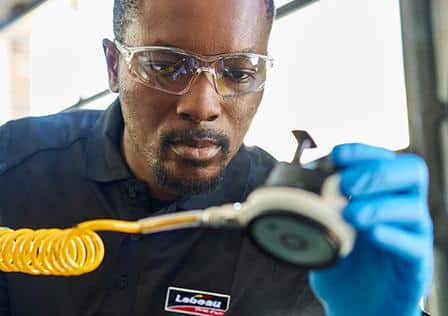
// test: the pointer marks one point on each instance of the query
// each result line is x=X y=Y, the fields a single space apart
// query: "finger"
x=401 y=243
x=350 y=154
x=406 y=211
x=405 y=173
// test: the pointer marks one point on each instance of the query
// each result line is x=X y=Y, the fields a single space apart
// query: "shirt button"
x=132 y=192
x=122 y=283
x=136 y=236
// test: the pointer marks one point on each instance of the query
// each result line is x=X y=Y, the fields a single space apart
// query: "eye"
x=162 y=67
x=166 y=69
x=240 y=75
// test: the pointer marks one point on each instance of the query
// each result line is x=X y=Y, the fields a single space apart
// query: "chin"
x=189 y=178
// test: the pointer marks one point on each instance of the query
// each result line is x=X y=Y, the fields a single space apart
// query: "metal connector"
x=225 y=216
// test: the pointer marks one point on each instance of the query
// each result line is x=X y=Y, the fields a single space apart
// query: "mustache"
x=193 y=136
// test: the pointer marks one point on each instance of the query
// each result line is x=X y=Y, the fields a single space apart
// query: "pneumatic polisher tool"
x=296 y=216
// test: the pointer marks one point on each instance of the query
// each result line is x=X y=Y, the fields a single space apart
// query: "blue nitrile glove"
x=390 y=267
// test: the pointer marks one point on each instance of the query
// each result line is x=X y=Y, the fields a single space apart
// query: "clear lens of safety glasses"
x=240 y=74
x=174 y=71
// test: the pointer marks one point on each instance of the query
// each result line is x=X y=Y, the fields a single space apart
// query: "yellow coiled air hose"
x=78 y=250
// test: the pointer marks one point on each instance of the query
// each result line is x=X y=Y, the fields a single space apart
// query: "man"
x=190 y=77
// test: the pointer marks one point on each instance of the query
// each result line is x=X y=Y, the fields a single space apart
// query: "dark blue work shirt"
x=64 y=169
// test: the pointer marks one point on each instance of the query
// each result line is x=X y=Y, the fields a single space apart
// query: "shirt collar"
x=104 y=160
x=105 y=163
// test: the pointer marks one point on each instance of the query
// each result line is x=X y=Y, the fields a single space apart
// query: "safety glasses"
x=174 y=71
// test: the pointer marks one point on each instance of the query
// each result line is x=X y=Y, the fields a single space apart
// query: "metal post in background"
x=86 y=101
x=291 y=7
x=13 y=10
x=428 y=126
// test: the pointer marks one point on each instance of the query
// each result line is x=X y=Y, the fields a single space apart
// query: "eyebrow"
x=166 y=44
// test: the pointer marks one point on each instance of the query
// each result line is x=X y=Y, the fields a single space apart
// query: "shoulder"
x=261 y=163
x=20 y=139
x=260 y=156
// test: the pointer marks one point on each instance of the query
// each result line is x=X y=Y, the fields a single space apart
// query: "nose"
x=201 y=103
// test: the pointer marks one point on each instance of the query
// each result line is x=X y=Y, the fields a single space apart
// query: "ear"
x=112 y=59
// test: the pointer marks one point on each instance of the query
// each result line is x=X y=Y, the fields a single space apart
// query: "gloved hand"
x=390 y=267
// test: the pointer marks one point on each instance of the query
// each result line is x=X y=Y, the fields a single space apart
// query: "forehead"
x=208 y=27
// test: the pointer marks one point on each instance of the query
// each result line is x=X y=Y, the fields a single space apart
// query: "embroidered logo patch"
x=193 y=302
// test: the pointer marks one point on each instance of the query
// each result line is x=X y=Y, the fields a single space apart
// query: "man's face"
x=183 y=143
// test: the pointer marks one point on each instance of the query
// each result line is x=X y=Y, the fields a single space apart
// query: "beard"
x=170 y=180
x=186 y=186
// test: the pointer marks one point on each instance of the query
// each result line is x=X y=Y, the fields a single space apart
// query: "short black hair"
x=125 y=11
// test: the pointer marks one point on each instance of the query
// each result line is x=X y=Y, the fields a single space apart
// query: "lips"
x=198 y=150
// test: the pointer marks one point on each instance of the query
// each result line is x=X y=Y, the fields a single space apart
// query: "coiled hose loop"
x=60 y=252
x=78 y=250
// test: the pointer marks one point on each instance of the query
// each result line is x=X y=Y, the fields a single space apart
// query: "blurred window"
x=338 y=71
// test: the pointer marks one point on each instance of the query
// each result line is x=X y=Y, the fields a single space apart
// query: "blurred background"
x=338 y=70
